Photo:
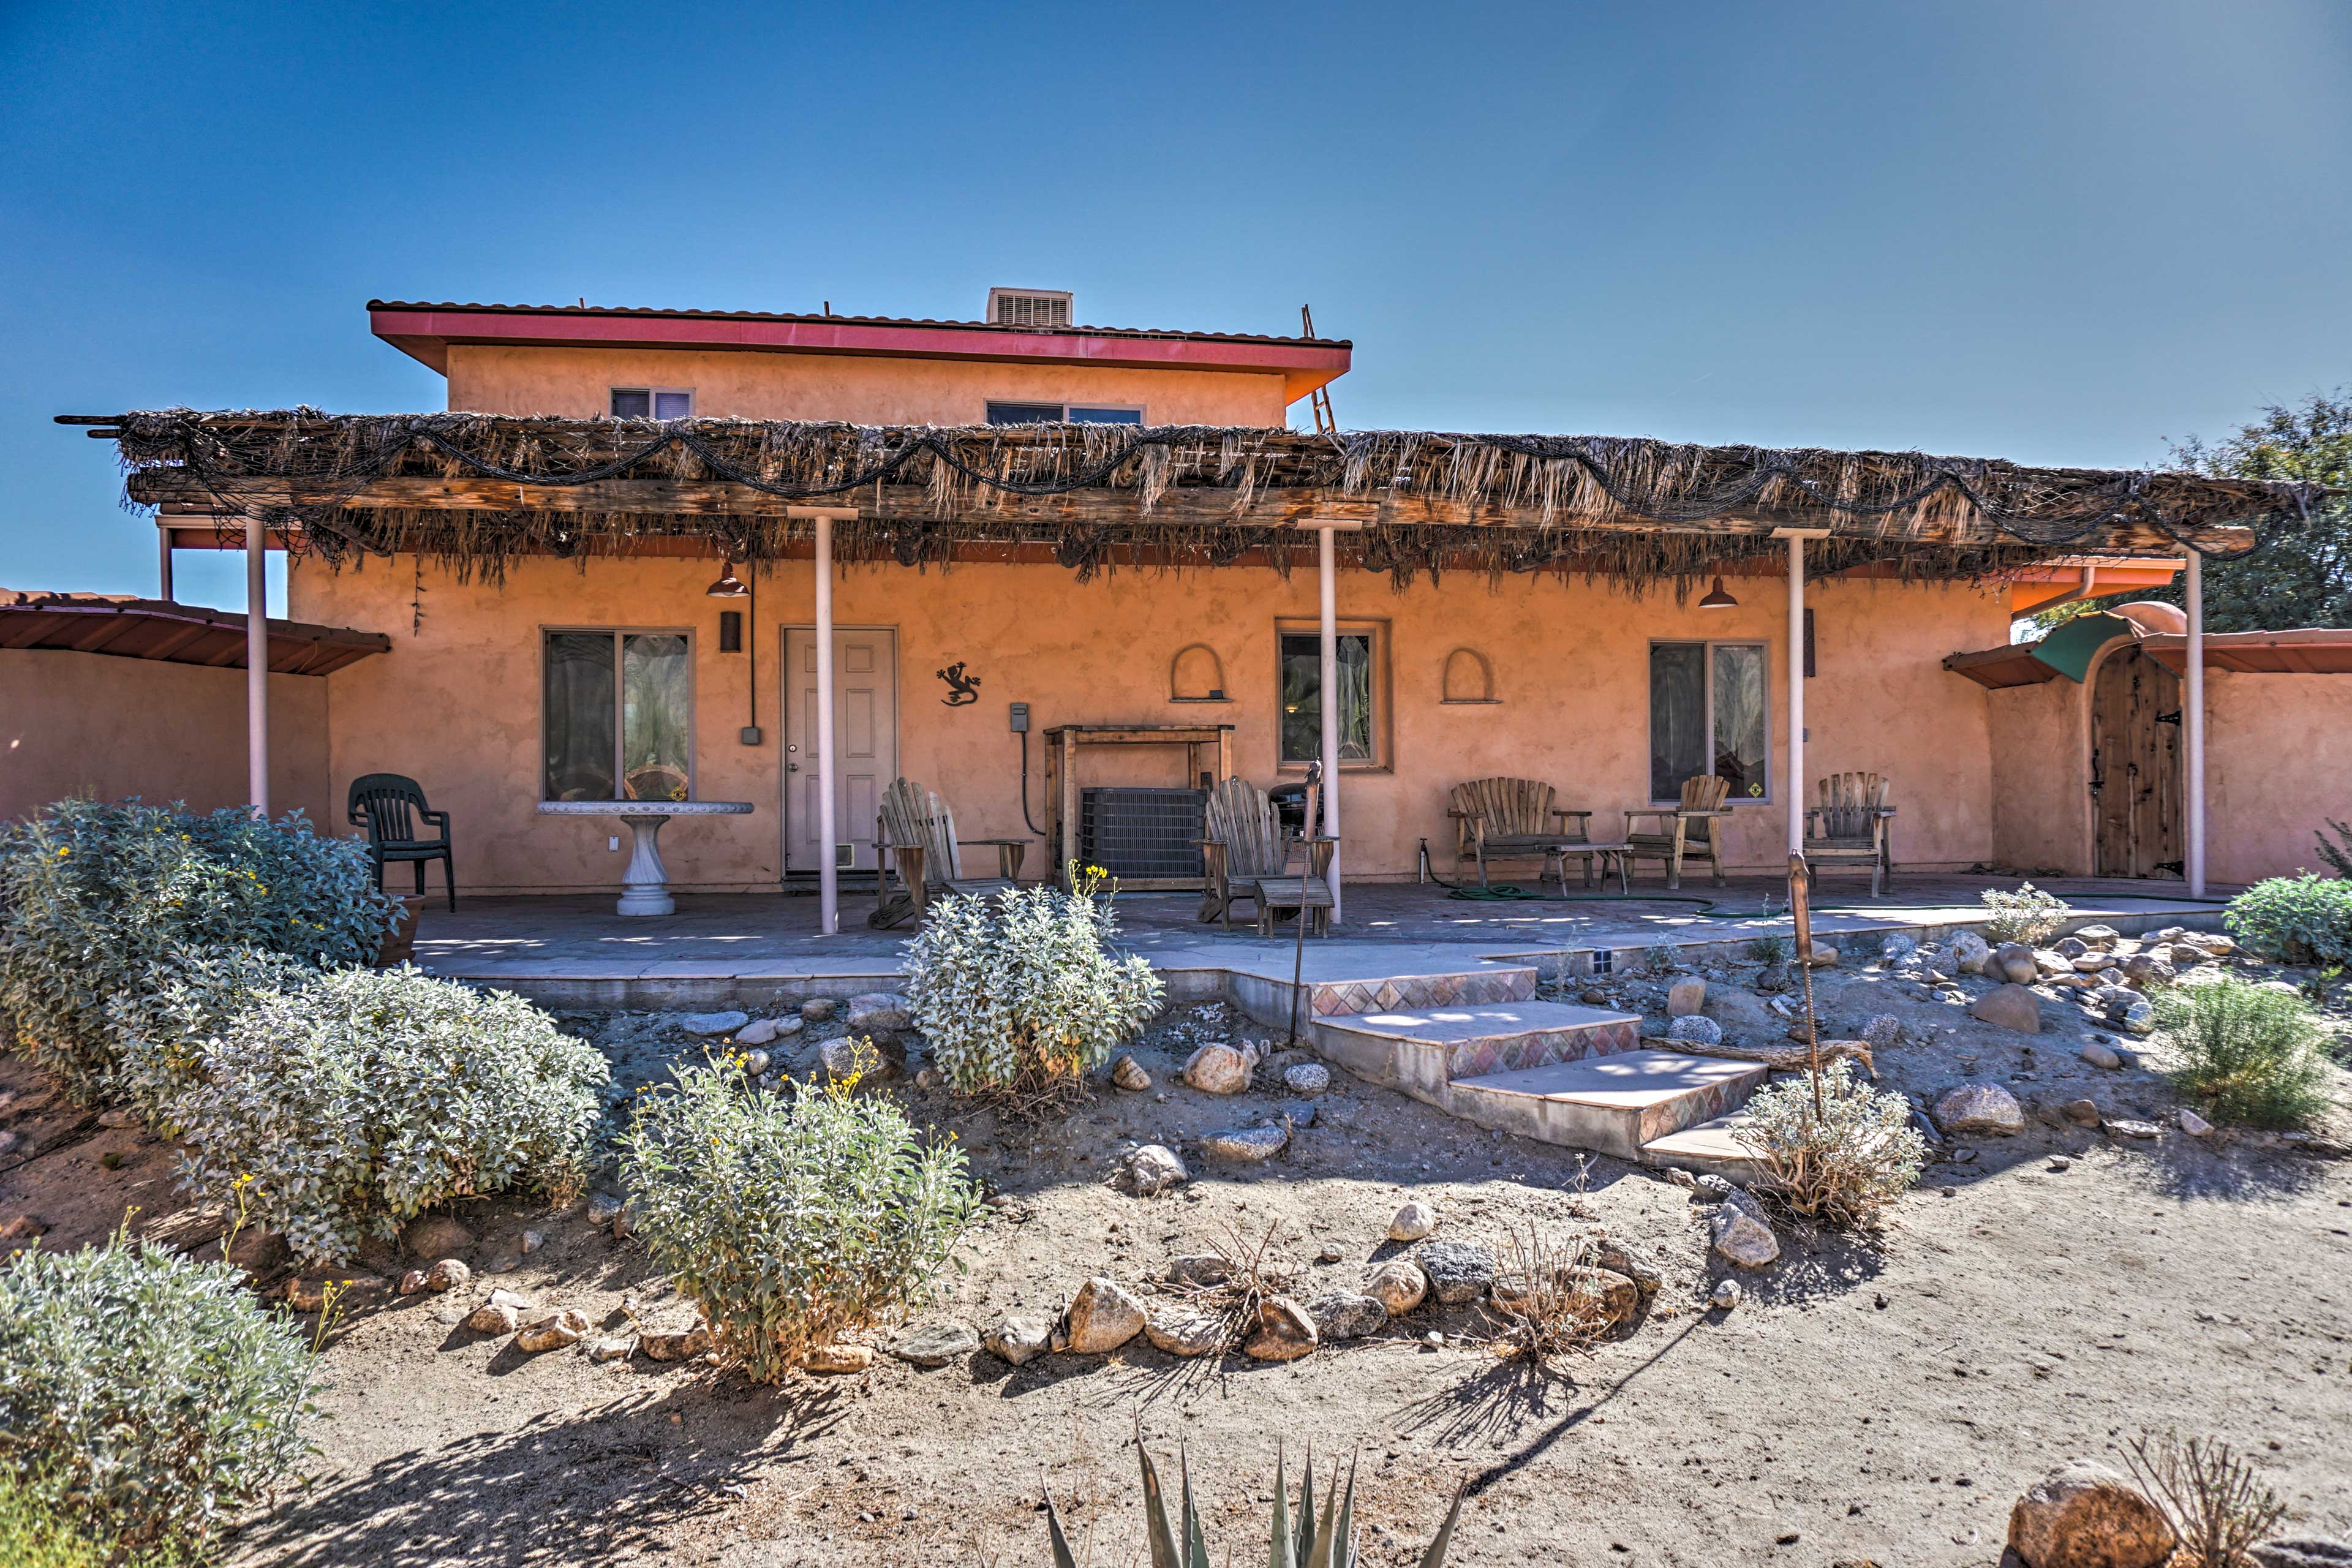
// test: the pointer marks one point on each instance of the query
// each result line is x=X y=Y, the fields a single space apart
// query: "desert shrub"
x=93 y=896
x=2337 y=851
x=790 y=1220
x=1022 y=993
x=2295 y=920
x=1839 y=1166
x=2212 y=1497
x=143 y=1396
x=2028 y=915
x=1769 y=949
x=2249 y=1053
x=36 y=1531
x=189 y=998
x=339 y=1108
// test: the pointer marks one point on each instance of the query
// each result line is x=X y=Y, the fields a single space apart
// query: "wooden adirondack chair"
x=916 y=835
x=1247 y=857
x=1850 y=826
x=1503 y=818
x=389 y=806
x=1682 y=831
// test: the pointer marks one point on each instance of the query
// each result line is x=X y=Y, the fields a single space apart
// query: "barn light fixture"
x=729 y=586
x=1715 y=599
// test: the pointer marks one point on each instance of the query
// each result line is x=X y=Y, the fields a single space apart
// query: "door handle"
x=791 y=767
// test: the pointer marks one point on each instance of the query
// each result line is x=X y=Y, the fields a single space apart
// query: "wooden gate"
x=2136 y=776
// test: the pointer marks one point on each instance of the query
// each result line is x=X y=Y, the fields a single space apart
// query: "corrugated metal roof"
x=125 y=627
x=666 y=313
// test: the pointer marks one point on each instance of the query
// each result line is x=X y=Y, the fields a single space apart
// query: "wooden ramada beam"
x=1182 y=506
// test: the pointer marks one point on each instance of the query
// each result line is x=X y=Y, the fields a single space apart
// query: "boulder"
x=1896 y=948
x=2307 y=1552
x=1458 y=1271
x=437 y=1236
x=1347 y=1315
x=2099 y=936
x=1103 y=1316
x=551 y=1332
x=1823 y=957
x=1128 y=1075
x=1740 y=1012
x=2100 y=1055
x=1980 y=1110
x=879 y=1012
x=1284 y=1331
x=1881 y=1031
x=1685 y=998
x=1617 y=1260
x=602 y=1208
x=2139 y=1018
x=1413 y=1222
x=1019 y=1337
x=1185 y=1334
x=411 y=1282
x=1307 y=1078
x=933 y=1344
x=757 y=1032
x=2086 y=1515
x=2143 y=970
x=2013 y=962
x=501 y=1314
x=1398 y=1285
x=1151 y=1170
x=2212 y=943
x=706 y=1025
x=2010 y=1007
x=1246 y=1144
x=1969 y=952
x=2141 y=1130
x=817 y=1009
x=1218 y=1069
x=2195 y=1125
x=448 y=1274
x=1697 y=1028
x=1197 y=1271
x=1740 y=1234
x=838 y=1361
x=676 y=1344
x=2070 y=947
x=613 y=1347
x=2082 y=1113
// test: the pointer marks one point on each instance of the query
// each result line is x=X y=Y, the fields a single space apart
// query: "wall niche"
x=1469 y=679
x=1197 y=674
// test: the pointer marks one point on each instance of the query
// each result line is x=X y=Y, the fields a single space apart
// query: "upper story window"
x=1061 y=413
x=653 y=403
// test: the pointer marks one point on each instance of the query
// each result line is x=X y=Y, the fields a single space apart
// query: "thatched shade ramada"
x=473 y=491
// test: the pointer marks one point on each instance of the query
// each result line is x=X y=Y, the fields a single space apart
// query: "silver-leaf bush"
x=2028 y=915
x=1021 y=991
x=94 y=896
x=790 y=1221
x=145 y=1394
x=353 y=1102
x=1838 y=1166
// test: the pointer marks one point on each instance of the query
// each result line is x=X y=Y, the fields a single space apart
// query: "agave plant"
x=1293 y=1540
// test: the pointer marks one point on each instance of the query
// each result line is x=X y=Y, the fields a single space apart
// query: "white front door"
x=866 y=725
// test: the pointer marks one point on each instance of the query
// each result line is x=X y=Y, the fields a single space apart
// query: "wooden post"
x=1796 y=678
x=828 y=874
x=2192 y=723
x=1800 y=914
x=257 y=668
x=1070 y=806
x=1326 y=573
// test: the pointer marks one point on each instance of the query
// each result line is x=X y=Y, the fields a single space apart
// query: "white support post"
x=257 y=668
x=828 y=872
x=2192 y=723
x=1326 y=573
x=163 y=561
x=1796 y=679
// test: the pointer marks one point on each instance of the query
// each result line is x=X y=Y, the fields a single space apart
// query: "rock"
x=2143 y=970
x=2139 y=1018
x=1697 y=1028
x=602 y=1208
x=310 y=1292
x=448 y=1274
x=1708 y=1187
x=1774 y=977
x=1458 y=1271
x=933 y=1344
x=2142 y=1130
x=1739 y=1012
x=757 y=1032
x=24 y=1228
x=1345 y=1315
x=1725 y=1295
x=1218 y=1069
x=2099 y=1056
x=1019 y=1337
x=2070 y=947
x=1617 y=1260
x=1128 y=1075
x=531 y=1241
x=437 y=1236
x=1103 y=1316
x=2099 y=936
x=879 y=1012
x=1823 y=957
x=676 y=1344
x=2086 y=1515
x=2309 y=1552
x=613 y=1347
x=1413 y=1222
x=1307 y=1078
x=2212 y=943
x=118 y=1117
x=1685 y=998
x=2195 y=1125
x=1199 y=1269
x=625 y=1224
x=1897 y=947
x=1882 y=1030
x=1741 y=1235
x=1615 y=1299
x=1284 y=1331
x=1249 y=1144
x=1969 y=952
x=2013 y=961
x=2083 y=1112
x=501 y=1314
x=706 y=1025
x=1980 y=1110
x=1184 y=1334
x=552 y=1331
x=1593 y=996
x=838 y=1361
x=1398 y=1285
x=411 y=1283
x=2009 y=1007
x=1150 y=1169
x=817 y=1009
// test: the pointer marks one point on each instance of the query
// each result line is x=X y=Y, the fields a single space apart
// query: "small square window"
x=1091 y=416
x=1025 y=414
x=673 y=405
x=653 y=403
x=632 y=404
x=1062 y=413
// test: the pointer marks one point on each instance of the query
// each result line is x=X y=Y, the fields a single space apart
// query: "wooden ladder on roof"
x=1319 y=400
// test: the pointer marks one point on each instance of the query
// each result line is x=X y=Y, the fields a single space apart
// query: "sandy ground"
x=1881 y=1401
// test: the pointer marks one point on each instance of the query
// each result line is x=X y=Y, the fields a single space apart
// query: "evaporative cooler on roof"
x=1028 y=308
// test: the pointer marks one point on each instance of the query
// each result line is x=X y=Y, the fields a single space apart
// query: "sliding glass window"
x=619 y=709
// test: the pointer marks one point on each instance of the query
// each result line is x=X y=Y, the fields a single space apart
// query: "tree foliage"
x=2305 y=577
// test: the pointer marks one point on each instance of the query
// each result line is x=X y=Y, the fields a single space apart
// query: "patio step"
x=1707 y=1146
x=1497 y=1037
x=1615 y=1103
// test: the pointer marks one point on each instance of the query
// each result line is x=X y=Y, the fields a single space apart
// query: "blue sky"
x=2059 y=231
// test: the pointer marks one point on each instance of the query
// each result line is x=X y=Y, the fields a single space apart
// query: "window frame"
x=1649 y=707
x=1381 y=760
x=989 y=405
x=620 y=698
x=652 y=396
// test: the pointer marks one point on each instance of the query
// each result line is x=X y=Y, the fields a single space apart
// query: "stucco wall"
x=457 y=703
x=871 y=390
x=2041 y=768
x=86 y=723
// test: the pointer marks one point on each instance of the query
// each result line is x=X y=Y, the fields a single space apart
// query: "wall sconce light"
x=1716 y=599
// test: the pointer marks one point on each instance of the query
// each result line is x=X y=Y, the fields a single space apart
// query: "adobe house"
x=667 y=554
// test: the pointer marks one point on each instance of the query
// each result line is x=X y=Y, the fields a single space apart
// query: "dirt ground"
x=2036 y=1299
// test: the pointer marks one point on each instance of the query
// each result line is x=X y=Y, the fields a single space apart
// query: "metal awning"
x=171 y=633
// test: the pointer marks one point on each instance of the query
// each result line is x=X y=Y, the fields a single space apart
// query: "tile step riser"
x=1616 y=1131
